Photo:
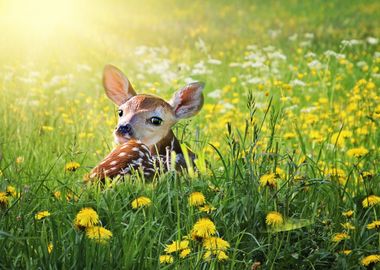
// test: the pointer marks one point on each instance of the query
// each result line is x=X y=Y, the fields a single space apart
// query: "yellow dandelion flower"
x=11 y=190
x=166 y=259
x=346 y=252
x=348 y=226
x=367 y=175
x=280 y=173
x=203 y=228
x=197 y=199
x=214 y=188
x=374 y=225
x=336 y=174
x=72 y=166
x=357 y=152
x=99 y=234
x=3 y=199
x=215 y=243
x=268 y=180
x=207 y=255
x=177 y=246
x=47 y=128
x=348 y=213
x=371 y=200
x=42 y=214
x=19 y=160
x=141 y=202
x=219 y=255
x=274 y=219
x=57 y=194
x=87 y=217
x=371 y=85
x=184 y=253
x=71 y=197
x=50 y=247
x=289 y=135
x=339 y=138
x=339 y=237
x=371 y=259
x=207 y=208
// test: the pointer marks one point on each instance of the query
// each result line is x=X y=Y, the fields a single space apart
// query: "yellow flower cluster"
x=215 y=247
x=99 y=234
x=87 y=219
x=199 y=200
x=6 y=196
x=179 y=246
x=336 y=174
x=203 y=231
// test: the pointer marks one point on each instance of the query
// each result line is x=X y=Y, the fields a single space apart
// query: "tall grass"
x=293 y=117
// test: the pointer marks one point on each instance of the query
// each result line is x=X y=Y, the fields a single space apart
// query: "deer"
x=144 y=130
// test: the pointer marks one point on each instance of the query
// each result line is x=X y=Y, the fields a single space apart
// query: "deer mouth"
x=122 y=138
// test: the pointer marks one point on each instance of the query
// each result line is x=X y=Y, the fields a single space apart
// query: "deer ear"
x=188 y=101
x=116 y=85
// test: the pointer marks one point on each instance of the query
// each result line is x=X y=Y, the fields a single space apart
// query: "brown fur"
x=125 y=157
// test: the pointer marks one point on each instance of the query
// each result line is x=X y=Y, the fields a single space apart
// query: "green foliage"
x=282 y=129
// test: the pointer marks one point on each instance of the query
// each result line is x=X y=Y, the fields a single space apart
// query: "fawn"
x=144 y=131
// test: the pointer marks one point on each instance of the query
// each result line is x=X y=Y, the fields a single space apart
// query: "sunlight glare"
x=40 y=16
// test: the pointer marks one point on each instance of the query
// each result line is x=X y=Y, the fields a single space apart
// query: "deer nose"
x=124 y=129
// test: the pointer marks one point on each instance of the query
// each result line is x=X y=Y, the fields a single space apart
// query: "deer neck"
x=170 y=142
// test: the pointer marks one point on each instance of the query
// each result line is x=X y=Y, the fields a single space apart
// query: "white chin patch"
x=120 y=140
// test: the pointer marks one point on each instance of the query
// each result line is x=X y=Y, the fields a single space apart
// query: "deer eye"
x=120 y=112
x=156 y=121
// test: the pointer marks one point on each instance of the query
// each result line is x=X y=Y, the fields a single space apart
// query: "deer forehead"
x=147 y=104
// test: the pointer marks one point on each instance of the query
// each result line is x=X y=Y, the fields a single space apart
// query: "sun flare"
x=41 y=17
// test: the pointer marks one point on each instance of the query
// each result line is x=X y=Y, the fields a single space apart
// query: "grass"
x=296 y=88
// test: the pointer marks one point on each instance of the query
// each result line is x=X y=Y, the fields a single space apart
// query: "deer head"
x=149 y=118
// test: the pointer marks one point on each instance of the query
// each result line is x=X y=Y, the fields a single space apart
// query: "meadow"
x=287 y=141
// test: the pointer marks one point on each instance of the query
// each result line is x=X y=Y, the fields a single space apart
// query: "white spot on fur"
x=122 y=154
x=113 y=162
x=145 y=147
x=135 y=149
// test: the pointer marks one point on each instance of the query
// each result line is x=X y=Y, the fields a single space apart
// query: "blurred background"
x=110 y=30
x=52 y=53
